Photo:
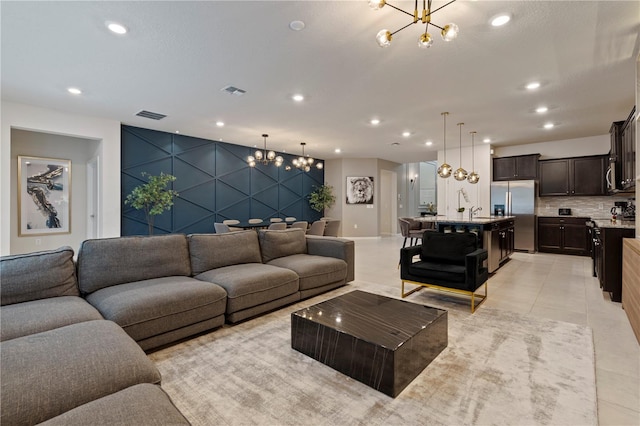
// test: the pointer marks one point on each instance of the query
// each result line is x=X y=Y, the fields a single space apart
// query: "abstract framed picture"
x=44 y=196
x=360 y=190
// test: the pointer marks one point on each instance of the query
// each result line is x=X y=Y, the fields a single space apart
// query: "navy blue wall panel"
x=213 y=180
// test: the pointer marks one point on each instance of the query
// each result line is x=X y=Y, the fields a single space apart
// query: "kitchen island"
x=495 y=233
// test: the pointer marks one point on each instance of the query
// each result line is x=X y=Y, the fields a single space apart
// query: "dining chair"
x=221 y=228
x=290 y=219
x=278 y=226
x=255 y=220
x=275 y=219
x=331 y=229
x=317 y=228
x=230 y=222
x=303 y=224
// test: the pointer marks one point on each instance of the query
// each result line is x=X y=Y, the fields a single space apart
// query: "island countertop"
x=464 y=220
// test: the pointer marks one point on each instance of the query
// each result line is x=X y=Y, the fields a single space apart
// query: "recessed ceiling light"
x=486 y=140
x=117 y=28
x=219 y=123
x=406 y=134
x=429 y=143
x=177 y=131
x=74 y=91
x=337 y=151
x=533 y=85
x=298 y=98
x=500 y=20
x=542 y=109
x=296 y=25
x=548 y=126
x=375 y=121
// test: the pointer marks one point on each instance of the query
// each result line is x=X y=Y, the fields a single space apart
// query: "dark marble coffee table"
x=382 y=342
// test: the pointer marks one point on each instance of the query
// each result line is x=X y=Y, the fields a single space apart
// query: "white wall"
x=105 y=132
x=592 y=145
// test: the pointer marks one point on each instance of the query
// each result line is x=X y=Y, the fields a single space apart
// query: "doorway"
x=93 y=192
x=388 y=195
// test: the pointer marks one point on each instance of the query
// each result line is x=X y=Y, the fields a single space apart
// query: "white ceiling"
x=178 y=55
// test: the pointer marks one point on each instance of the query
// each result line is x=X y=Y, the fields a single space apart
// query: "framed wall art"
x=360 y=190
x=44 y=196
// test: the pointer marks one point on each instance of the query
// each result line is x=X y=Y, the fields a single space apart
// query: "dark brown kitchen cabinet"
x=573 y=176
x=628 y=153
x=563 y=235
x=520 y=167
x=609 y=260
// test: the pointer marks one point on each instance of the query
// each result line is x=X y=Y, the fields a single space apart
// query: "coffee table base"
x=386 y=367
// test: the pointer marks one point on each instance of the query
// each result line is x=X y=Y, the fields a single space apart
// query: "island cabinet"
x=520 y=167
x=573 y=176
x=563 y=235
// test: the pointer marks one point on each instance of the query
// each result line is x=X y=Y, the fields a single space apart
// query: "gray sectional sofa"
x=72 y=334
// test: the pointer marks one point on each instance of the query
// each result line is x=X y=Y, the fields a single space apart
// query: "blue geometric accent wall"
x=213 y=180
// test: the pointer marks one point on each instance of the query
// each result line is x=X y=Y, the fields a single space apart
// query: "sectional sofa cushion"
x=151 y=307
x=112 y=261
x=36 y=316
x=142 y=404
x=252 y=284
x=210 y=251
x=57 y=370
x=275 y=244
x=314 y=271
x=340 y=248
x=38 y=275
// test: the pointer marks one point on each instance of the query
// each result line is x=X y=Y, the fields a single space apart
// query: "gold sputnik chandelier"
x=448 y=32
x=265 y=157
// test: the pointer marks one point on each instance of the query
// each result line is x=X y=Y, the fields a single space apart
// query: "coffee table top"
x=371 y=317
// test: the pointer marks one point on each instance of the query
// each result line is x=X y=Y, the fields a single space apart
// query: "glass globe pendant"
x=383 y=38
x=449 y=32
x=473 y=177
x=376 y=4
x=444 y=171
x=425 y=41
x=460 y=174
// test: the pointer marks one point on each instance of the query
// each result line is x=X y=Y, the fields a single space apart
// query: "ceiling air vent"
x=151 y=115
x=233 y=90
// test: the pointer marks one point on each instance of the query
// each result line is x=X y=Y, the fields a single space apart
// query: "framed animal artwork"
x=360 y=190
x=44 y=196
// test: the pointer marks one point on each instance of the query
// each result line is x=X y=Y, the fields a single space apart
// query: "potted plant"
x=322 y=197
x=153 y=197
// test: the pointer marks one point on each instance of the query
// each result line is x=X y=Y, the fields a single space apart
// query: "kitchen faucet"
x=473 y=210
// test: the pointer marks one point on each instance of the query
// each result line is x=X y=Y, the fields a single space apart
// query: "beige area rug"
x=500 y=368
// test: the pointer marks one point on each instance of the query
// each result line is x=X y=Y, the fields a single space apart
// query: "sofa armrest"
x=406 y=258
x=339 y=248
x=476 y=273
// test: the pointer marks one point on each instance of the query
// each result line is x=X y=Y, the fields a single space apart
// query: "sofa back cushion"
x=211 y=251
x=275 y=244
x=38 y=275
x=112 y=261
x=449 y=248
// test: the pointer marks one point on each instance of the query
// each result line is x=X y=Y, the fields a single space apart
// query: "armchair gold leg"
x=474 y=296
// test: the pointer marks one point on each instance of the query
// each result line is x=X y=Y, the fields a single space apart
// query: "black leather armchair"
x=448 y=261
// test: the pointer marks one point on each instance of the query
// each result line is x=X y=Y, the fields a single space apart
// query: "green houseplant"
x=153 y=197
x=322 y=197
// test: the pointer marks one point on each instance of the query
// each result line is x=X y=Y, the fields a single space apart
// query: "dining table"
x=247 y=225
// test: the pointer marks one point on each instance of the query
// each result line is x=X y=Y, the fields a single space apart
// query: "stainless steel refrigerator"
x=518 y=198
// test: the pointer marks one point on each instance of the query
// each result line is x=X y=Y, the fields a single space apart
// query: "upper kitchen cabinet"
x=623 y=154
x=573 y=176
x=521 y=167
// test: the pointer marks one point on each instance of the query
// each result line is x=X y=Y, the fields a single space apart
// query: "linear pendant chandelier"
x=448 y=32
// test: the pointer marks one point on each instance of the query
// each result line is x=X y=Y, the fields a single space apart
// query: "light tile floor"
x=549 y=286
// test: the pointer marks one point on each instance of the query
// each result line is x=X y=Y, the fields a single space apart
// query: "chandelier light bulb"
x=310 y=160
x=473 y=178
x=449 y=32
x=383 y=38
x=319 y=166
x=271 y=155
x=376 y=4
x=258 y=155
x=425 y=41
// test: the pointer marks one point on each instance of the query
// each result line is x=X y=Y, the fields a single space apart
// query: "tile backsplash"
x=580 y=206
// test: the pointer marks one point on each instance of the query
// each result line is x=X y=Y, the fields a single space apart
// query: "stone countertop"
x=477 y=220
x=620 y=224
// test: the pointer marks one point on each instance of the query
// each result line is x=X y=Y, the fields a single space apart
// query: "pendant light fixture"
x=304 y=163
x=460 y=174
x=265 y=157
x=473 y=176
x=444 y=171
